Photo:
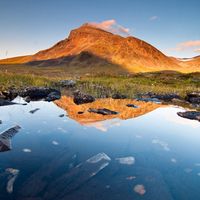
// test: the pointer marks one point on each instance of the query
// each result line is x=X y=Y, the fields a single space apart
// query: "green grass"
x=100 y=83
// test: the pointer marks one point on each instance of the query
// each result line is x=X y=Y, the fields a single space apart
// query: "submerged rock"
x=126 y=160
x=81 y=97
x=154 y=100
x=194 y=115
x=15 y=173
x=0 y=121
x=6 y=136
x=33 y=111
x=103 y=111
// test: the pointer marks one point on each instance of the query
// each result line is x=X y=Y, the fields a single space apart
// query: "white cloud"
x=108 y=26
x=153 y=18
x=188 y=46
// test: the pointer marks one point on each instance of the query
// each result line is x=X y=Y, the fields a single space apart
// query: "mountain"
x=92 y=47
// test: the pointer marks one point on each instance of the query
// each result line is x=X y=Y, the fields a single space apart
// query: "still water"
x=152 y=156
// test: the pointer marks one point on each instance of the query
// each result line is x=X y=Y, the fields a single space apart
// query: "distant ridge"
x=92 y=46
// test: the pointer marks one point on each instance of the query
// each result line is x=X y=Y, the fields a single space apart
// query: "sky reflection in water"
x=164 y=147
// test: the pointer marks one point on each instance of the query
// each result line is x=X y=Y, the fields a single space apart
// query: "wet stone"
x=194 y=115
x=0 y=121
x=81 y=97
x=132 y=105
x=154 y=100
x=38 y=92
x=80 y=112
x=33 y=111
x=103 y=111
x=62 y=115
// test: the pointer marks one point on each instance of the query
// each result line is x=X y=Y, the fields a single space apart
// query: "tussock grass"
x=100 y=83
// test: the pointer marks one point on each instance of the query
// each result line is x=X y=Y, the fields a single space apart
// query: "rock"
x=62 y=115
x=119 y=96
x=2 y=96
x=10 y=94
x=194 y=115
x=53 y=96
x=167 y=97
x=193 y=97
x=0 y=121
x=81 y=97
x=103 y=111
x=6 y=102
x=194 y=105
x=27 y=99
x=154 y=100
x=132 y=105
x=65 y=83
x=174 y=100
x=80 y=112
x=38 y=92
x=76 y=77
x=33 y=111
x=6 y=136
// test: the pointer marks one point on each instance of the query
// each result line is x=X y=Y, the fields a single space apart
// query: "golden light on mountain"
x=92 y=47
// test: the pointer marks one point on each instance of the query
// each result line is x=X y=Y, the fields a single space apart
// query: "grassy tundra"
x=101 y=83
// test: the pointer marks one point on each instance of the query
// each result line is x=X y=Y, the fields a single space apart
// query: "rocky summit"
x=89 y=46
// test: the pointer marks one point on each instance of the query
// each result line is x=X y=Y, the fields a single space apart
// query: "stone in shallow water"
x=126 y=160
x=33 y=111
x=132 y=105
x=63 y=178
x=6 y=136
x=194 y=115
x=103 y=111
x=154 y=100
x=12 y=180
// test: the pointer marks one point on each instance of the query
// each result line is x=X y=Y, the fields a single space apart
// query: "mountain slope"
x=92 y=46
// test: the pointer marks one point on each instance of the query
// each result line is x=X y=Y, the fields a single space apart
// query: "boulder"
x=154 y=100
x=65 y=83
x=119 y=96
x=10 y=94
x=167 y=97
x=103 y=111
x=53 y=96
x=193 y=97
x=81 y=97
x=194 y=115
x=38 y=92
x=2 y=96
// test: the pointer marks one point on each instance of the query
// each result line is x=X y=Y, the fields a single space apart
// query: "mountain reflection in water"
x=146 y=153
x=117 y=105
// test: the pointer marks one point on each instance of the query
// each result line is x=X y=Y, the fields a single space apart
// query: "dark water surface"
x=154 y=156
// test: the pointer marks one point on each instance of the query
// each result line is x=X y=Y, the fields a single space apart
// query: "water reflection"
x=117 y=105
x=146 y=156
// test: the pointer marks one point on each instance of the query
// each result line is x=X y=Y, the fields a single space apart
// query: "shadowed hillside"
x=92 y=46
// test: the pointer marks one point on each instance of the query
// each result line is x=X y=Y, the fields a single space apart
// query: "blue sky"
x=28 y=26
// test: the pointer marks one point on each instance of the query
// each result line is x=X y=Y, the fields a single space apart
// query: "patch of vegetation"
x=100 y=83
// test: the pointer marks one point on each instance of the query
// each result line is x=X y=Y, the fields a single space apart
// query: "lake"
x=143 y=153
